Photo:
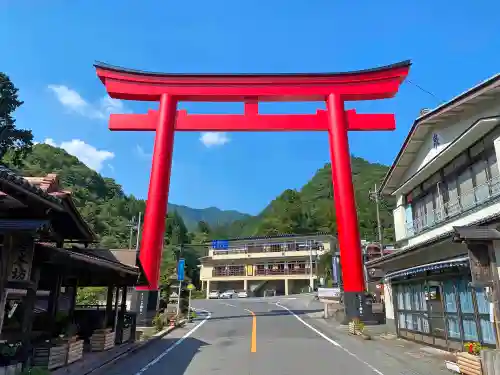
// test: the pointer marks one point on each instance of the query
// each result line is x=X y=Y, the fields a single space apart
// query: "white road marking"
x=227 y=304
x=333 y=342
x=175 y=344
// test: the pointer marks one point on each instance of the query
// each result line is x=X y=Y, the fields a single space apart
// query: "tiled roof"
x=11 y=177
x=48 y=188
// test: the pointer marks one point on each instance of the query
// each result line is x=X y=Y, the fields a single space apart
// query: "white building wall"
x=447 y=133
x=424 y=156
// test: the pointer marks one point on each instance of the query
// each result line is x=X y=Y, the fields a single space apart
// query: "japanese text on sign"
x=22 y=260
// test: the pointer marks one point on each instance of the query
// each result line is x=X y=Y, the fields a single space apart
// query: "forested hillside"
x=311 y=208
x=102 y=200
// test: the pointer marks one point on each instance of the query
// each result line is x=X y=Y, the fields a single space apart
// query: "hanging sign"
x=22 y=261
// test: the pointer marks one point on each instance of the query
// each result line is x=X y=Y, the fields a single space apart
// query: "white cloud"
x=86 y=153
x=141 y=153
x=74 y=102
x=210 y=139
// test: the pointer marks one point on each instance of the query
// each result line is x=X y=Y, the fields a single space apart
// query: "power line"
x=440 y=101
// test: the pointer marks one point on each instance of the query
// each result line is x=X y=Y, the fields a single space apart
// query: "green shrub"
x=159 y=322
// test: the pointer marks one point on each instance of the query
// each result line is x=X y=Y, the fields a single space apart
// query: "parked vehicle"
x=242 y=294
x=214 y=294
x=228 y=294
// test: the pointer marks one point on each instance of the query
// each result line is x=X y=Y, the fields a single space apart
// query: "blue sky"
x=48 y=49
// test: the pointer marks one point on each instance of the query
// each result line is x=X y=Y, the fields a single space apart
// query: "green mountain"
x=108 y=209
x=101 y=200
x=211 y=215
x=311 y=208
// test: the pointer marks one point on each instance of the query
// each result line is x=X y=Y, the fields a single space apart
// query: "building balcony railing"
x=282 y=271
x=271 y=248
x=263 y=270
x=453 y=209
x=229 y=271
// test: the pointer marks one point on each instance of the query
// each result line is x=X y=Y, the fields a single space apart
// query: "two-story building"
x=446 y=175
x=261 y=265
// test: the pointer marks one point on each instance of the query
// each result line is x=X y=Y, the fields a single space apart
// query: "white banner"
x=329 y=292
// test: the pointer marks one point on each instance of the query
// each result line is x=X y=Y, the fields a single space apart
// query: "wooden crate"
x=51 y=357
x=102 y=340
x=469 y=364
x=75 y=351
x=126 y=334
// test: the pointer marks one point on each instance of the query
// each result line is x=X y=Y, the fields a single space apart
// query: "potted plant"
x=469 y=361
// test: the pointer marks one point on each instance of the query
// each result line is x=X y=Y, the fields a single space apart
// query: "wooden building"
x=46 y=254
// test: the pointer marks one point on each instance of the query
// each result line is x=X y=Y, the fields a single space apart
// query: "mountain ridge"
x=108 y=210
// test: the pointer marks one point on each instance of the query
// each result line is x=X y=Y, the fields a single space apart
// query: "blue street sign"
x=180 y=269
x=220 y=244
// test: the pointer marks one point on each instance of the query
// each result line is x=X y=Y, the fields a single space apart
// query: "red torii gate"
x=334 y=88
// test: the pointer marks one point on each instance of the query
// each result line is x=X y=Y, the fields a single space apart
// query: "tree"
x=90 y=295
x=203 y=227
x=17 y=141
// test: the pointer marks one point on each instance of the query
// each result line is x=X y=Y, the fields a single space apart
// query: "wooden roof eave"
x=88 y=234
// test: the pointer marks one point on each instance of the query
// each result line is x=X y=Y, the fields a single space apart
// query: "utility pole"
x=375 y=196
x=132 y=226
x=311 y=276
x=138 y=239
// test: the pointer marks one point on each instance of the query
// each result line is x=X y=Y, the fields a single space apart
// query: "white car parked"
x=214 y=294
x=242 y=294
x=228 y=294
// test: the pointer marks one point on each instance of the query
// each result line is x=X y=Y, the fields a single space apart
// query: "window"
x=494 y=173
x=482 y=191
x=452 y=204
x=471 y=179
x=464 y=314
x=466 y=187
x=419 y=215
x=429 y=210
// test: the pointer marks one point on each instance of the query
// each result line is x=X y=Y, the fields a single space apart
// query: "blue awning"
x=455 y=262
x=10 y=225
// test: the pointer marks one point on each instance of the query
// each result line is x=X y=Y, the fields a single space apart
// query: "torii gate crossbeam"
x=333 y=88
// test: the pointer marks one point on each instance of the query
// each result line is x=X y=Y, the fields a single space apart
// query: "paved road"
x=252 y=337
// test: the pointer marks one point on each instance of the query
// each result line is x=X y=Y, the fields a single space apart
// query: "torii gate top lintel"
x=369 y=84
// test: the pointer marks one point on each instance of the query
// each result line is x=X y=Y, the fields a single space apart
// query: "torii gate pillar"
x=334 y=88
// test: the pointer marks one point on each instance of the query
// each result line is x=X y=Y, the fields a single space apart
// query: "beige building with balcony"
x=279 y=265
x=446 y=175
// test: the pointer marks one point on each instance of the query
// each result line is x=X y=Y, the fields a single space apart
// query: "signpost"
x=180 y=278
x=190 y=287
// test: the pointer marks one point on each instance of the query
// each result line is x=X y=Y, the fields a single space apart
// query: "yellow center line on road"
x=253 y=342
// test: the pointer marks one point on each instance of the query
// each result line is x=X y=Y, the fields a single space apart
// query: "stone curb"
x=135 y=348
